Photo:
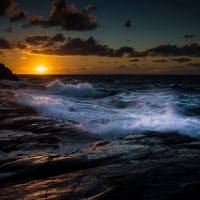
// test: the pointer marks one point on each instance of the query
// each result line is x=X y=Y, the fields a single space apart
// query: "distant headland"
x=6 y=73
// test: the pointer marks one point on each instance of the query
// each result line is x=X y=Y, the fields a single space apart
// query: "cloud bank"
x=66 y=16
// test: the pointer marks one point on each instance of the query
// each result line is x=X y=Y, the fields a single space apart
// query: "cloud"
x=6 y=6
x=90 y=46
x=124 y=51
x=194 y=64
x=58 y=38
x=19 y=45
x=161 y=61
x=35 y=20
x=122 y=67
x=45 y=40
x=128 y=24
x=4 y=44
x=18 y=14
x=1 y=53
x=78 y=46
x=37 y=39
x=188 y=36
x=89 y=7
x=67 y=16
x=173 y=50
x=134 y=60
x=181 y=60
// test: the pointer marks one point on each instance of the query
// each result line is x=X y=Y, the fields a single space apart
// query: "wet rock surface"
x=44 y=158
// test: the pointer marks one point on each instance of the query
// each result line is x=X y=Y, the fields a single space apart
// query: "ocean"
x=112 y=106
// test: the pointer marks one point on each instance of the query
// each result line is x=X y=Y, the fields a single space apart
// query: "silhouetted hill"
x=6 y=73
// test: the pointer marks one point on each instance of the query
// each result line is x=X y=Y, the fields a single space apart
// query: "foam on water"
x=10 y=84
x=151 y=110
x=79 y=90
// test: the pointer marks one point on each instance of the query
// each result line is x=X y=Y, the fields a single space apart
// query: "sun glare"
x=41 y=69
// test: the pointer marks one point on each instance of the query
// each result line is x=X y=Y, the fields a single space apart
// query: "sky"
x=100 y=37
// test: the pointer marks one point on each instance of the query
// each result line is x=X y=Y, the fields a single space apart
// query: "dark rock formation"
x=43 y=158
x=6 y=73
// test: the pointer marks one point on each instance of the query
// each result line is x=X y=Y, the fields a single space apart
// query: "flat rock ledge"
x=43 y=158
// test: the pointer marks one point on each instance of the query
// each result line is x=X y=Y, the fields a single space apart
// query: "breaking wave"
x=79 y=90
x=112 y=116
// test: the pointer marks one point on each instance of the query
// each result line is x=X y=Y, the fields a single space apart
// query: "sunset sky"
x=106 y=37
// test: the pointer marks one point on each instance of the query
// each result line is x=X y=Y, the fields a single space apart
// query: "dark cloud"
x=70 y=18
x=18 y=14
x=122 y=67
x=6 y=6
x=35 y=20
x=134 y=60
x=58 y=38
x=124 y=51
x=173 y=50
x=89 y=7
x=128 y=24
x=4 y=44
x=54 y=40
x=67 y=16
x=78 y=46
x=19 y=45
x=1 y=53
x=8 y=30
x=181 y=60
x=45 y=40
x=194 y=64
x=161 y=61
x=188 y=36
x=37 y=39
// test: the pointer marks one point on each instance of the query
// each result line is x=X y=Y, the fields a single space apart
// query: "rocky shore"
x=44 y=158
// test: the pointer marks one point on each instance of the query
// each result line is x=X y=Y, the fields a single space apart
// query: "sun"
x=41 y=69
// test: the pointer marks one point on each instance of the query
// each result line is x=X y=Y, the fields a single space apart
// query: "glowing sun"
x=41 y=69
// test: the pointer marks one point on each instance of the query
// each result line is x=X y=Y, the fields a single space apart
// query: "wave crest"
x=79 y=90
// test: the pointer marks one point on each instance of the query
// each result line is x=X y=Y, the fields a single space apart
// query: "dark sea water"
x=113 y=106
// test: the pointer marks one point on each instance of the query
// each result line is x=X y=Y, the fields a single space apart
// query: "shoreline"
x=44 y=158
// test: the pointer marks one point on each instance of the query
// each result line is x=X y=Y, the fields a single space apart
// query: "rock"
x=44 y=158
x=101 y=143
x=6 y=73
x=172 y=138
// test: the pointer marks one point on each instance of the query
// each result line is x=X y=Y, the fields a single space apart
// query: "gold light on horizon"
x=41 y=69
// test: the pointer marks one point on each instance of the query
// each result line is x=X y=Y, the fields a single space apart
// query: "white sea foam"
x=79 y=90
x=97 y=116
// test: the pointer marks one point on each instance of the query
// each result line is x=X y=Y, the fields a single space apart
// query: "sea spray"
x=79 y=90
x=130 y=111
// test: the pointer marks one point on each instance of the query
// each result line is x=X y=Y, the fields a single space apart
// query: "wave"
x=79 y=90
x=143 y=123
x=116 y=103
x=10 y=84
x=94 y=116
x=48 y=106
